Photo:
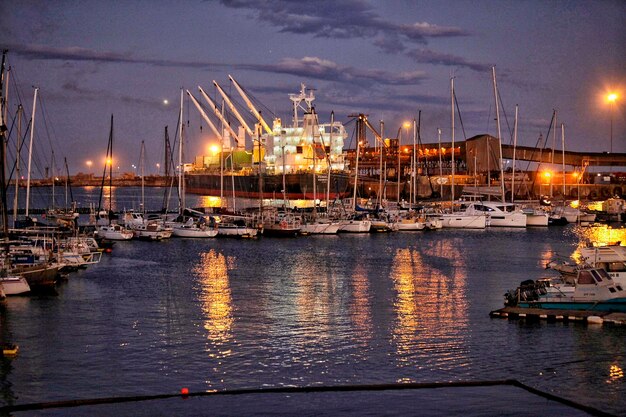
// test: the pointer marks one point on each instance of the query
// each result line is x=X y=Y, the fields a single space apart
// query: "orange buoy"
x=184 y=391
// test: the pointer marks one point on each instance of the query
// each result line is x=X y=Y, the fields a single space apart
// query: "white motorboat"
x=320 y=227
x=497 y=214
x=355 y=225
x=235 y=226
x=590 y=289
x=195 y=229
x=151 y=230
x=536 y=217
x=610 y=257
x=281 y=225
x=458 y=220
x=114 y=232
x=14 y=285
x=409 y=222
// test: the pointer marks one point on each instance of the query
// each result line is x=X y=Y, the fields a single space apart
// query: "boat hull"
x=14 y=285
x=320 y=228
x=461 y=221
x=355 y=226
x=297 y=186
x=194 y=232
x=613 y=305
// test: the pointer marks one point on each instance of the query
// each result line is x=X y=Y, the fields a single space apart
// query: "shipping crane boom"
x=250 y=105
x=232 y=108
x=204 y=115
x=218 y=114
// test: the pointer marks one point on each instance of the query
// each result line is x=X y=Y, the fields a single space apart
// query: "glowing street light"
x=612 y=98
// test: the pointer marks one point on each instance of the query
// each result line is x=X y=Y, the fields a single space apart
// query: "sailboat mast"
x=452 y=127
x=222 y=158
x=495 y=92
x=380 y=166
x=30 y=150
x=328 y=162
x=53 y=179
x=398 y=185
x=3 y=151
x=356 y=173
x=18 y=145
x=440 y=167
x=110 y=161
x=142 y=157
x=514 y=149
x=563 y=155
x=181 y=175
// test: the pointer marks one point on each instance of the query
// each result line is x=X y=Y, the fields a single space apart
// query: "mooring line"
x=309 y=389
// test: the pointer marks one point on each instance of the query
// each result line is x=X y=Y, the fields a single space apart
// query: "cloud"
x=428 y=56
x=323 y=69
x=340 y=19
x=74 y=53
x=308 y=67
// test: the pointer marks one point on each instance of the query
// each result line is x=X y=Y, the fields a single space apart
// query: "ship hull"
x=297 y=186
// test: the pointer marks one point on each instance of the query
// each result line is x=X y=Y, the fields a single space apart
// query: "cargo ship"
x=303 y=161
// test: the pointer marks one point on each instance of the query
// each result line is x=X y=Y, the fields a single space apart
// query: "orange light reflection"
x=216 y=301
x=431 y=307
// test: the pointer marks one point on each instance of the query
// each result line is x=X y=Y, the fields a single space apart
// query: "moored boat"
x=14 y=285
x=590 y=289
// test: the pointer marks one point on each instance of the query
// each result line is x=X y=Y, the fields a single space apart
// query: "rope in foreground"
x=314 y=389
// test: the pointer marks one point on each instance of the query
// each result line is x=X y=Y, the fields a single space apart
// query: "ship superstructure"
x=306 y=145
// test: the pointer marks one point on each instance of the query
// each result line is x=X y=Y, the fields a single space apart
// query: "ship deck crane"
x=233 y=109
x=218 y=114
x=205 y=116
x=253 y=109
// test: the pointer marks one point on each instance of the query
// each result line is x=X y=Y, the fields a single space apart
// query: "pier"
x=550 y=315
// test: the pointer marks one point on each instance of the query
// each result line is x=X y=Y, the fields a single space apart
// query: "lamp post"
x=407 y=126
x=611 y=98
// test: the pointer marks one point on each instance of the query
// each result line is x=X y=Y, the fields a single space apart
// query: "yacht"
x=497 y=214
x=588 y=289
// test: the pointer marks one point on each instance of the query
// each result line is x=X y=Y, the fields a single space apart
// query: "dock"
x=536 y=314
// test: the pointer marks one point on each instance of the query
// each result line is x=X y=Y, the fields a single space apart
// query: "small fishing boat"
x=114 y=232
x=590 y=289
x=196 y=229
x=14 y=285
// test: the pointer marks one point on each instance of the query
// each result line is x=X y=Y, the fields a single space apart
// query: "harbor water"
x=351 y=309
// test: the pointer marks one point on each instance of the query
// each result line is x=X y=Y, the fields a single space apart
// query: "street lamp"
x=611 y=98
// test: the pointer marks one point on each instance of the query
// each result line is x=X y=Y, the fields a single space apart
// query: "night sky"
x=387 y=59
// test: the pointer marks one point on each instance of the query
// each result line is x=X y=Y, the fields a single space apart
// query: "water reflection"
x=430 y=306
x=615 y=374
x=600 y=235
x=360 y=308
x=6 y=390
x=109 y=198
x=216 y=302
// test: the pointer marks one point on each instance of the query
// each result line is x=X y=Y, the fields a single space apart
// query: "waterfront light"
x=214 y=149
x=611 y=98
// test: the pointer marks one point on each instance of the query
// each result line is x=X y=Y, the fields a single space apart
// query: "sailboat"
x=39 y=272
x=314 y=224
x=354 y=222
x=459 y=219
x=197 y=226
x=145 y=229
x=105 y=228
